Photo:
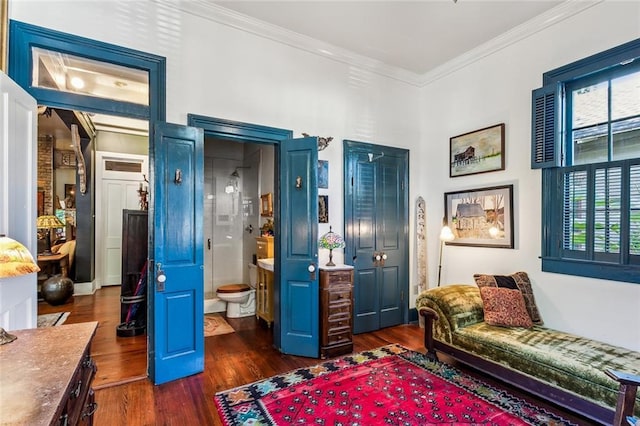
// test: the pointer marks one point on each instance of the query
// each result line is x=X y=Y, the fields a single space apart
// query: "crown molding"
x=551 y=17
x=213 y=12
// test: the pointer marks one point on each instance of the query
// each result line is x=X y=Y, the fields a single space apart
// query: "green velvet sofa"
x=562 y=368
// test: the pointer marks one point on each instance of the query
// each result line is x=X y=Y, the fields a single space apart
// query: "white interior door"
x=118 y=195
x=118 y=182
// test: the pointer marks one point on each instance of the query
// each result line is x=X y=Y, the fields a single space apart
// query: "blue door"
x=297 y=249
x=377 y=233
x=176 y=335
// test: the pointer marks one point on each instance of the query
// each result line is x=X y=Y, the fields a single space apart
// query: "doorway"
x=37 y=47
x=235 y=175
x=119 y=178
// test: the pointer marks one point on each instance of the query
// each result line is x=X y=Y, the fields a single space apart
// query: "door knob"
x=311 y=268
x=384 y=256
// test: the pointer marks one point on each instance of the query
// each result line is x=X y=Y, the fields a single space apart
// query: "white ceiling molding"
x=540 y=22
x=221 y=15
x=206 y=10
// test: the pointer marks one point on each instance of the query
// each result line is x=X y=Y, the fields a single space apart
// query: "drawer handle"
x=76 y=392
x=64 y=420
x=88 y=363
x=91 y=408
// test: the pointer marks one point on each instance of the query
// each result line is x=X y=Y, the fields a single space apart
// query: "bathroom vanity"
x=264 y=290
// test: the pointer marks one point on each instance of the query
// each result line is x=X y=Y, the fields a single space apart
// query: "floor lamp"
x=445 y=235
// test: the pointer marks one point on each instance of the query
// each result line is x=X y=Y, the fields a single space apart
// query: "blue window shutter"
x=545 y=149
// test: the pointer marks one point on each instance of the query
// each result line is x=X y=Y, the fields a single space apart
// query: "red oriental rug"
x=386 y=386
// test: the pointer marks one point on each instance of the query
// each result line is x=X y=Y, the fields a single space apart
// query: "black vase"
x=57 y=290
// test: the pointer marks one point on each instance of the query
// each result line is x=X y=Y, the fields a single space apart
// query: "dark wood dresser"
x=336 y=310
x=46 y=376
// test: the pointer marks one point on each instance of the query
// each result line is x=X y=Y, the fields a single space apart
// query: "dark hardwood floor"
x=126 y=397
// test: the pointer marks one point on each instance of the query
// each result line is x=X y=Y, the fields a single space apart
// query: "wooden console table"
x=60 y=259
x=46 y=376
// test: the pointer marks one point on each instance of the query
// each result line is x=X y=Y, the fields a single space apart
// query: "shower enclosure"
x=232 y=185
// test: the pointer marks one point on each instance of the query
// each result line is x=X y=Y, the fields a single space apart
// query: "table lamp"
x=48 y=222
x=331 y=241
x=15 y=260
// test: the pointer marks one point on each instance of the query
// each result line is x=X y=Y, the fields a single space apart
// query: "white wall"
x=219 y=71
x=216 y=70
x=497 y=89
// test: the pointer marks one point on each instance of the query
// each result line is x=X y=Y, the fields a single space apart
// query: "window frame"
x=550 y=130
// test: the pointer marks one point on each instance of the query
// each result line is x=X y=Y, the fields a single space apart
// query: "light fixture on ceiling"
x=77 y=83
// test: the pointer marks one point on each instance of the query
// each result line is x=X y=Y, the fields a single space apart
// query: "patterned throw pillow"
x=519 y=281
x=504 y=307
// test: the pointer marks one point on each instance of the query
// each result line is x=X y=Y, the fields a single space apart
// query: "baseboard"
x=83 y=289
x=413 y=315
x=214 y=305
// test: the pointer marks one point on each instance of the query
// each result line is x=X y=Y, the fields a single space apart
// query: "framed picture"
x=479 y=151
x=64 y=159
x=481 y=217
x=266 y=205
x=323 y=174
x=323 y=208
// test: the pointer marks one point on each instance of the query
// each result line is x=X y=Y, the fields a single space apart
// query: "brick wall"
x=45 y=171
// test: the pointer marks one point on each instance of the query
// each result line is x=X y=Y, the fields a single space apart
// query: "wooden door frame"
x=354 y=147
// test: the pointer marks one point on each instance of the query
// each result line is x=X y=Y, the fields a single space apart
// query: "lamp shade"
x=15 y=259
x=331 y=240
x=49 y=222
x=446 y=234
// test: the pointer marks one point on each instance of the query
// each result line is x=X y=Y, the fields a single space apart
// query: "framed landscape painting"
x=479 y=151
x=481 y=217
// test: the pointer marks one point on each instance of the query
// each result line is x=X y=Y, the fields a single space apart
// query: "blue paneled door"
x=376 y=223
x=298 y=331
x=176 y=346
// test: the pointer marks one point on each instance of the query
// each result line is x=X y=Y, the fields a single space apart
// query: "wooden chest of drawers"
x=336 y=310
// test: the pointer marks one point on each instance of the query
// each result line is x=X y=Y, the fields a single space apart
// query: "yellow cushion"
x=67 y=248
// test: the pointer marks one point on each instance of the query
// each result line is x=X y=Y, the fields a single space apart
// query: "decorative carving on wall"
x=322 y=142
x=82 y=171
x=421 y=243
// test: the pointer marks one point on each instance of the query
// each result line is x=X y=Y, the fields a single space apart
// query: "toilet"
x=240 y=298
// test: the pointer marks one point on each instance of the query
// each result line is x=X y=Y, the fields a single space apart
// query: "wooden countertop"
x=36 y=369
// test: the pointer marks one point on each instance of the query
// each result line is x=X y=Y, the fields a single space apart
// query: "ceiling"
x=415 y=36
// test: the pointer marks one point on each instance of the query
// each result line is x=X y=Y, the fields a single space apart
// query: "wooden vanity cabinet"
x=264 y=290
x=336 y=310
x=264 y=296
x=264 y=247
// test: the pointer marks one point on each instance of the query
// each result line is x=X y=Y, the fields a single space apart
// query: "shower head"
x=235 y=173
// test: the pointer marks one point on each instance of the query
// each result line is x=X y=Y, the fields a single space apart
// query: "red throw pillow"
x=520 y=281
x=504 y=307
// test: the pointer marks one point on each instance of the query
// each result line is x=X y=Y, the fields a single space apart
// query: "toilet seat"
x=233 y=288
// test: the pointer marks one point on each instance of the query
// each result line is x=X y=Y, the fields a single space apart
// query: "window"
x=586 y=138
